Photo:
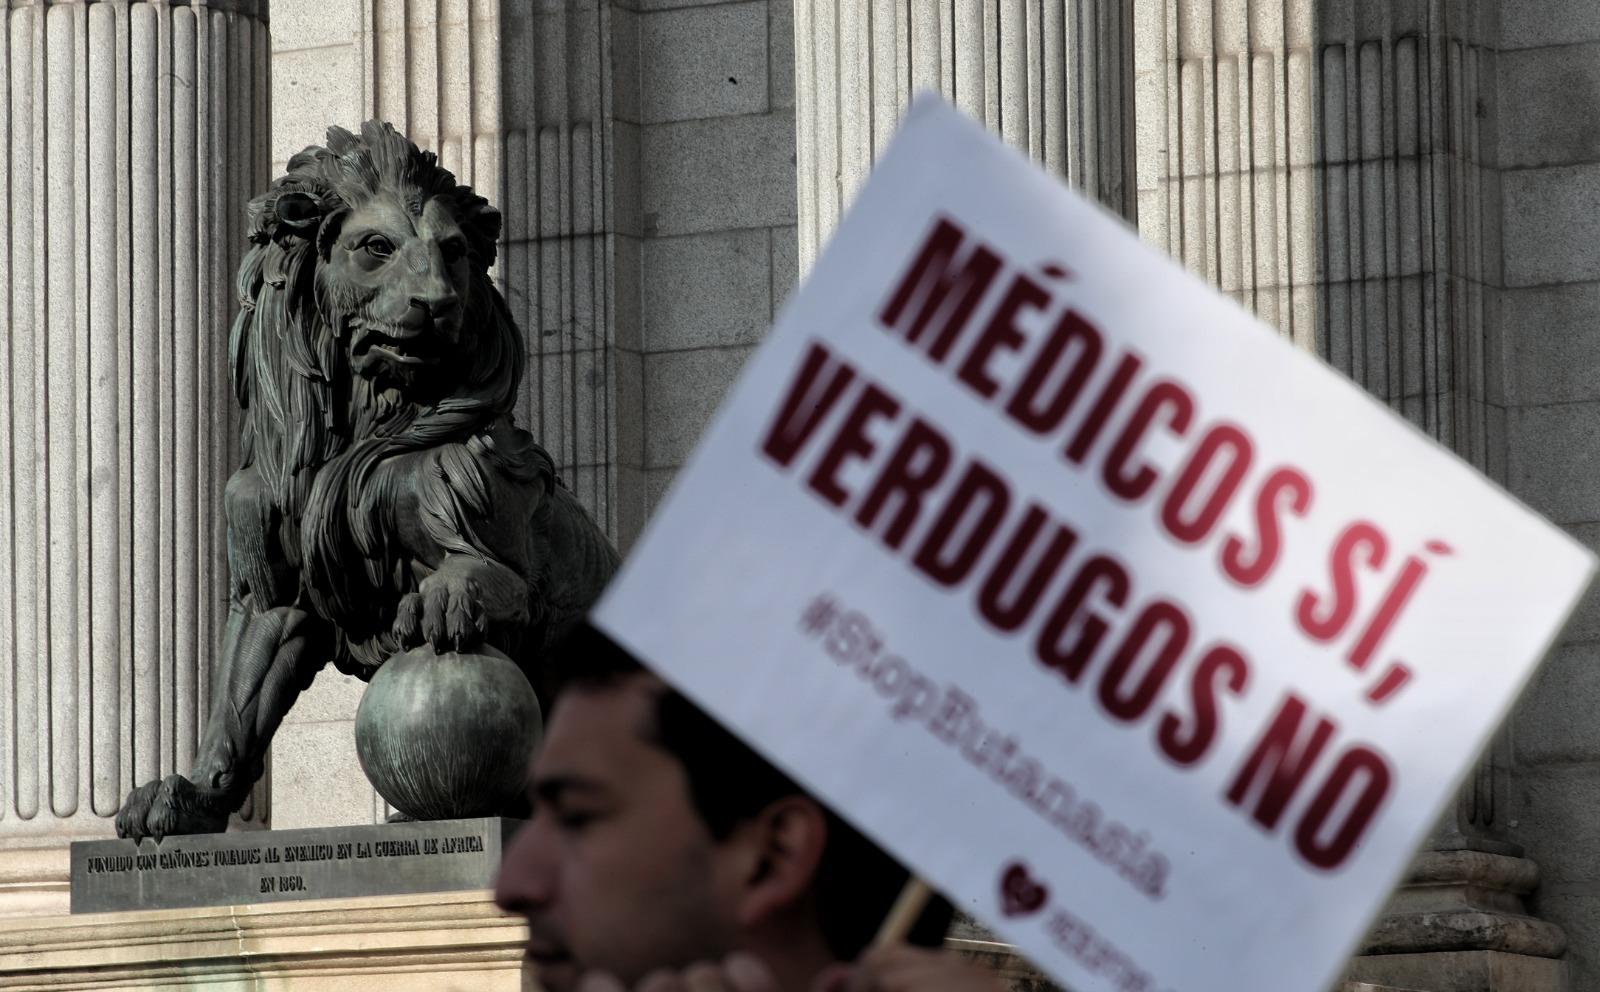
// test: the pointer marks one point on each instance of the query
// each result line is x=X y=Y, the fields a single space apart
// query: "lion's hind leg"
x=277 y=653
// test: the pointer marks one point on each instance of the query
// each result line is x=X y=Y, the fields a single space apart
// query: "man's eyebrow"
x=551 y=788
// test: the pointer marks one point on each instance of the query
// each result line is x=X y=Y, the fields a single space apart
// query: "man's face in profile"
x=616 y=871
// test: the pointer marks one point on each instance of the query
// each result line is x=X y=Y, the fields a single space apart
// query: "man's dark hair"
x=729 y=783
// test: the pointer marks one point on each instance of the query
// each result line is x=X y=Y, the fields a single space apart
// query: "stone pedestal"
x=134 y=134
x=426 y=943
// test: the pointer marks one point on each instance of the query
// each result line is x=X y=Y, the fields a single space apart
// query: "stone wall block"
x=780 y=54
x=657 y=482
x=682 y=390
x=1552 y=225
x=1557 y=343
x=785 y=265
x=717 y=174
x=1553 y=459
x=1553 y=722
x=298 y=24
x=703 y=62
x=706 y=289
x=1541 y=131
x=314 y=87
x=324 y=752
x=1585 y=623
x=1539 y=23
x=1553 y=808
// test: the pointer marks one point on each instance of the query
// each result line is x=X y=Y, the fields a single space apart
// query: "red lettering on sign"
x=1326 y=622
x=851 y=442
x=1411 y=574
x=975 y=509
x=818 y=385
x=948 y=292
x=1159 y=619
x=1008 y=613
x=916 y=466
x=1165 y=396
x=1025 y=407
x=1188 y=745
x=1224 y=441
x=1000 y=334
x=1070 y=660
x=1311 y=840
x=1100 y=413
x=1250 y=570
x=1283 y=758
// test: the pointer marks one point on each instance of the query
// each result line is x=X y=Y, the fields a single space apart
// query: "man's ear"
x=783 y=847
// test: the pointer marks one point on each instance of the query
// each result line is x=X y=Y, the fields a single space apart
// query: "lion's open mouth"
x=395 y=347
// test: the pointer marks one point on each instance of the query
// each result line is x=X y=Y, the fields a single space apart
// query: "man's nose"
x=525 y=881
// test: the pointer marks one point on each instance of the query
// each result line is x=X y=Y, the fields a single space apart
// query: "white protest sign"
x=1137 y=631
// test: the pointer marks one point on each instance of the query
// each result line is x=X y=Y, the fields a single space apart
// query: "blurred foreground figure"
x=660 y=845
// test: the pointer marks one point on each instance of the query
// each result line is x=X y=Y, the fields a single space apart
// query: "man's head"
x=659 y=839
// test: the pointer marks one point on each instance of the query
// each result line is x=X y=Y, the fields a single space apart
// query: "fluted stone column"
x=1324 y=164
x=1331 y=167
x=571 y=261
x=1052 y=78
x=135 y=133
x=433 y=71
x=1226 y=144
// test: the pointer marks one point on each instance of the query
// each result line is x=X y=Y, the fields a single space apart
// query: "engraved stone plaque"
x=278 y=865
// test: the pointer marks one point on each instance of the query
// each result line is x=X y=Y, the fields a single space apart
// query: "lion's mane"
x=312 y=428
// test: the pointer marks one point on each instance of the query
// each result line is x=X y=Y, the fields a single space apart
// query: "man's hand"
x=902 y=968
x=897 y=968
x=736 y=973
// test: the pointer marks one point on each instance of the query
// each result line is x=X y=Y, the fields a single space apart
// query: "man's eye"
x=379 y=247
x=574 y=819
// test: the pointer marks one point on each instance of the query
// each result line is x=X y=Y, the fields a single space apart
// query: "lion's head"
x=368 y=325
x=366 y=304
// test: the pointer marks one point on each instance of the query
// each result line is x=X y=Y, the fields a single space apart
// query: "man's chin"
x=555 y=972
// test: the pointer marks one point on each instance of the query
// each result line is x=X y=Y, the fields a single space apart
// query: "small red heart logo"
x=1020 y=895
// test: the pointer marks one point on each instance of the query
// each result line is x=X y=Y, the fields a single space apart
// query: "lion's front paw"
x=174 y=805
x=447 y=612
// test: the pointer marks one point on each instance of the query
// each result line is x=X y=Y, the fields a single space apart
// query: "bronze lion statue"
x=386 y=498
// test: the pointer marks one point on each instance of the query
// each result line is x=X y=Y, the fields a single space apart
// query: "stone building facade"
x=1408 y=188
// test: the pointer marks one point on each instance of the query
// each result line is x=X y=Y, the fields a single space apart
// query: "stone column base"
x=1462 y=971
x=413 y=943
x=1459 y=924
